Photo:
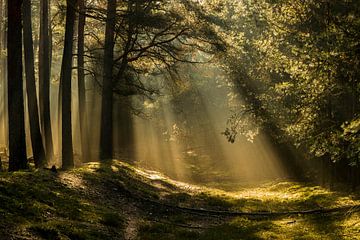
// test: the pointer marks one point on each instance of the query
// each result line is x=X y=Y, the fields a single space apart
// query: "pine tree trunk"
x=354 y=177
x=17 y=145
x=3 y=65
x=2 y=68
x=35 y=134
x=50 y=38
x=44 y=78
x=81 y=83
x=66 y=70
x=106 y=139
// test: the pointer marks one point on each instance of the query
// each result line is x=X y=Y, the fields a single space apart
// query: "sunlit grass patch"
x=50 y=205
x=280 y=196
x=298 y=227
x=84 y=204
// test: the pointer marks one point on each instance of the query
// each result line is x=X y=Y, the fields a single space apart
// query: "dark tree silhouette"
x=35 y=134
x=65 y=81
x=17 y=145
x=44 y=77
x=81 y=82
x=106 y=143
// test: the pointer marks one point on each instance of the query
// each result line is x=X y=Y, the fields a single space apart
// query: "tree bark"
x=35 y=134
x=3 y=67
x=44 y=78
x=50 y=37
x=81 y=83
x=17 y=145
x=106 y=139
x=66 y=71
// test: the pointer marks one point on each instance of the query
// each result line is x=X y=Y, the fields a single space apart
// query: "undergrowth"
x=98 y=200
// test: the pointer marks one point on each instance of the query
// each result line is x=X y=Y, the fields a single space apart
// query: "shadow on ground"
x=113 y=200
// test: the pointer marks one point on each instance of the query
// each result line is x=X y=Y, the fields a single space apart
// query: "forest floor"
x=114 y=200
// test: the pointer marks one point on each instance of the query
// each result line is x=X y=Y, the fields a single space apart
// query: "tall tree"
x=2 y=67
x=35 y=134
x=44 y=77
x=3 y=62
x=65 y=80
x=81 y=82
x=106 y=143
x=17 y=145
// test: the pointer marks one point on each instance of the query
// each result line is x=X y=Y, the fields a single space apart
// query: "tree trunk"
x=35 y=134
x=50 y=38
x=17 y=145
x=354 y=177
x=66 y=70
x=81 y=83
x=106 y=139
x=3 y=68
x=44 y=78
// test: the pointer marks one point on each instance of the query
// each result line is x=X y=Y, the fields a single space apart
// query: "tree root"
x=202 y=211
x=225 y=213
x=349 y=209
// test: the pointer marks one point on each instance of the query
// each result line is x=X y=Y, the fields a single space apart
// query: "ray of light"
x=184 y=140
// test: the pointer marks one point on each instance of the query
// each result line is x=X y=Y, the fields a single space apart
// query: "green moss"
x=161 y=231
x=84 y=232
x=50 y=207
x=46 y=232
x=112 y=219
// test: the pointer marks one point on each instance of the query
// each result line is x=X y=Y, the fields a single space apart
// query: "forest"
x=179 y=119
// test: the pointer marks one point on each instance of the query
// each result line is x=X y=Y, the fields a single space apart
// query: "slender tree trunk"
x=3 y=63
x=2 y=68
x=106 y=139
x=354 y=177
x=44 y=78
x=35 y=134
x=50 y=37
x=81 y=83
x=1 y=28
x=66 y=70
x=17 y=145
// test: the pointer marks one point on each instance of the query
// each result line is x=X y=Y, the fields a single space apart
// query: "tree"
x=44 y=78
x=65 y=81
x=3 y=63
x=106 y=143
x=36 y=138
x=150 y=37
x=17 y=145
x=292 y=59
x=81 y=82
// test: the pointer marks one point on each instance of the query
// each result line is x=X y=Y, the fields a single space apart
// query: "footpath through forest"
x=114 y=200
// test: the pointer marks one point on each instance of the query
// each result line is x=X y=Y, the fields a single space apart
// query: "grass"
x=309 y=227
x=46 y=205
x=97 y=202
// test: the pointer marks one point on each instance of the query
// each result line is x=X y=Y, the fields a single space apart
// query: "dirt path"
x=120 y=202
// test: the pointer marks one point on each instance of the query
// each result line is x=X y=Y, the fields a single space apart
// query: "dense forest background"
x=179 y=119
x=165 y=84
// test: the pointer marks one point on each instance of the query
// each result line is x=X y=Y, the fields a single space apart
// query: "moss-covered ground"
x=113 y=200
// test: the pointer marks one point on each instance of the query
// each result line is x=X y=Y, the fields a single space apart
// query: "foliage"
x=351 y=136
x=296 y=66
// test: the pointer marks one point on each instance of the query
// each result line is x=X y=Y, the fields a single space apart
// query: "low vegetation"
x=114 y=200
